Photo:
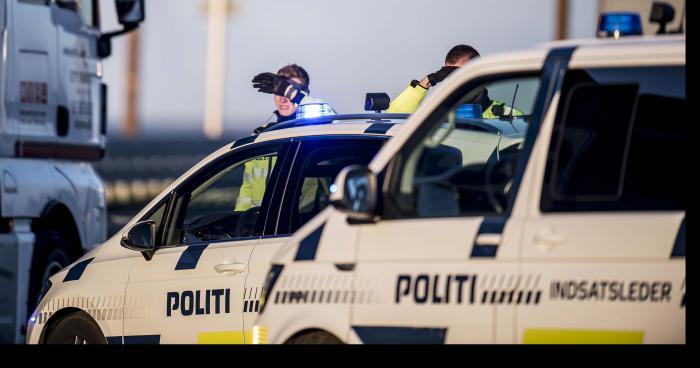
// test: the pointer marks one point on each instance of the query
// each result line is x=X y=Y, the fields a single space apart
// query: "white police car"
x=190 y=266
x=563 y=223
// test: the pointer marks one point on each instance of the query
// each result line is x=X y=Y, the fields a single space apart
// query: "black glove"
x=277 y=84
x=270 y=83
x=440 y=75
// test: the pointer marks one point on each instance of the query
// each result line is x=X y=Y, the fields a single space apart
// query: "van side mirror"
x=141 y=237
x=130 y=12
x=355 y=192
x=661 y=13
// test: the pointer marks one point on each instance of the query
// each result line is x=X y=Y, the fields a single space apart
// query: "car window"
x=618 y=141
x=321 y=163
x=465 y=162
x=225 y=205
x=86 y=8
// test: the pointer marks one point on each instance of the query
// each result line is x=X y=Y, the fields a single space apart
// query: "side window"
x=224 y=204
x=318 y=171
x=617 y=143
x=88 y=10
x=463 y=162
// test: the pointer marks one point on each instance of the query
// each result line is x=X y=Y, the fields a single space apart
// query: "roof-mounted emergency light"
x=377 y=101
x=314 y=110
x=619 y=24
x=469 y=111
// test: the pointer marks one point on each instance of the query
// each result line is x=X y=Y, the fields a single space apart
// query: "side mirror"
x=141 y=237
x=355 y=192
x=130 y=12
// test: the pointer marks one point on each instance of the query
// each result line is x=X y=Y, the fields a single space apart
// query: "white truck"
x=52 y=126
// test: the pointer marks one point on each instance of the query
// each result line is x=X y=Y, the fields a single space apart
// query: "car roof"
x=384 y=125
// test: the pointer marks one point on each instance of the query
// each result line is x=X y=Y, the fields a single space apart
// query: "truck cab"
x=52 y=127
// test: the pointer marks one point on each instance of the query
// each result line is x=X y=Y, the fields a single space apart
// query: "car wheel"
x=75 y=329
x=315 y=337
x=51 y=256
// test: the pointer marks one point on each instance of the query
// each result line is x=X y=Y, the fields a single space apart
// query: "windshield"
x=466 y=162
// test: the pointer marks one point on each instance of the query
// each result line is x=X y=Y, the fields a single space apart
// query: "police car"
x=567 y=228
x=189 y=267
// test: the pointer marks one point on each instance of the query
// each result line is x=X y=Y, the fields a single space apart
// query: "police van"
x=561 y=223
x=189 y=267
x=53 y=107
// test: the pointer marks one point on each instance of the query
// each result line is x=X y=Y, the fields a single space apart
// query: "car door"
x=440 y=266
x=192 y=290
x=606 y=224
x=316 y=164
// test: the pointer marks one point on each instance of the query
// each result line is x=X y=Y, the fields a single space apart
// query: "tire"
x=315 y=337
x=75 y=329
x=50 y=256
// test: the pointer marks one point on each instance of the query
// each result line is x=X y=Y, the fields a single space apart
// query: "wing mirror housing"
x=130 y=14
x=141 y=237
x=355 y=193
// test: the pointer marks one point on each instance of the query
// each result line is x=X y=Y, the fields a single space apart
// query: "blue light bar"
x=314 y=110
x=619 y=24
x=469 y=111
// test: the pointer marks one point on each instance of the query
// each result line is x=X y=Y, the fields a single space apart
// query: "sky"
x=349 y=48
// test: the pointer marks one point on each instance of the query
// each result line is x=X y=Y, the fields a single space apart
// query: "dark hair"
x=295 y=71
x=459 y=52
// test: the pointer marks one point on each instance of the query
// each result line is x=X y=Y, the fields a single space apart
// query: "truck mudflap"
x=15 y=259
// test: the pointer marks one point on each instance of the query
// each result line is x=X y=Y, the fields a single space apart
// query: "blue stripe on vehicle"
x=679 y=246
x=400 y=335
x=114 y=340
x=379 y=128
x=190 y=257
x=142 y=339
x=77 y=271
x=490 y=225
x=307 y=248
x=242 y=141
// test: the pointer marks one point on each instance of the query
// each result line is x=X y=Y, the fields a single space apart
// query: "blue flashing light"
x=334 y=188
x=619 y=24
x=314 y=110
x=469 y=111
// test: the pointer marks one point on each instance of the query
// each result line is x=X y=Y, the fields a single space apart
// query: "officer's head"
x=297 y=74
x=460 y=55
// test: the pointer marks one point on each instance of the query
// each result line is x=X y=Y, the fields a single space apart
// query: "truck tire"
x=314 y=337
x=50 y=256
x=75 y=329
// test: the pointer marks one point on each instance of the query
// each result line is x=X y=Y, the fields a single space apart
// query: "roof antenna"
x=509 y=118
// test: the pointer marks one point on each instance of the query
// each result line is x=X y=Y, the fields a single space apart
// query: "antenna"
x=512 y=104
x=509 y=117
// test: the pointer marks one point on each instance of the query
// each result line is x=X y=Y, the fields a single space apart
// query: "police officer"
x=290 y=87
x=408 y=101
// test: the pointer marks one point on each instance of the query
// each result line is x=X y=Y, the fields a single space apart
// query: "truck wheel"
x=51 y=255
x=75 y=329
x=315 y=337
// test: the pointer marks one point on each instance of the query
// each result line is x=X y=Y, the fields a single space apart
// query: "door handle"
x=548 y=238
x=229 y=269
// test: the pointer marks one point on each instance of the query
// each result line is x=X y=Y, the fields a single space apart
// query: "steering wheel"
x=246 y=218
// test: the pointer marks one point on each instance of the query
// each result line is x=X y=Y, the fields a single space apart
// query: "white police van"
x=567 y=228
x=189 y=267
